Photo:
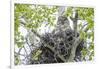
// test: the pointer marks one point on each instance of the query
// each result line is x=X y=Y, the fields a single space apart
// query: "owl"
x=63 y=23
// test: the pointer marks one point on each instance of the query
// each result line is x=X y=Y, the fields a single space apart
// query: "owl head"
x=63 y=22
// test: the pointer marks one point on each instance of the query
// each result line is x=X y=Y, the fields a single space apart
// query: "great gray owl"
x=56 y=46
x=63 y=23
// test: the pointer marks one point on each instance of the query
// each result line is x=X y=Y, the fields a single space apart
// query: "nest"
x=56 y=48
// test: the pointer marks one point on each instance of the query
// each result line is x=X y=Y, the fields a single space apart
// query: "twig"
x=19 y=54
x=83 y=26
x=28 y=44
x=25 y=51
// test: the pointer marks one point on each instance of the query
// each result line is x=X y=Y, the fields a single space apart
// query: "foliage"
x=33 y=16
x=86 y=29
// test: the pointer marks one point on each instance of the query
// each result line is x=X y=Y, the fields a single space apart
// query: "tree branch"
x=73 y=50
x=61 y=10
x=75 y=20
x=77 y=39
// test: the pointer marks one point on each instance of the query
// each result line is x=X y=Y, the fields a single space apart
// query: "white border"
x=75 y=3
x=12 y=36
